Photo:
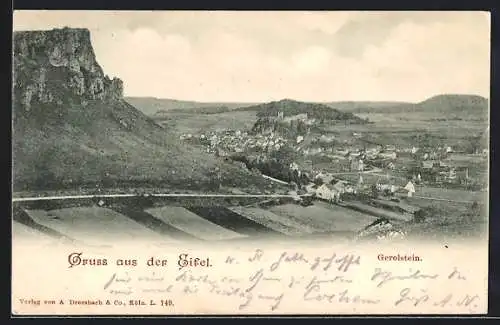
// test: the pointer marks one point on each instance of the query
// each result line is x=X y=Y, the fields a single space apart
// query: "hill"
x=445 y=104
x=152 y=106
x=192 y=110
x=291 y=108
x=455 y=103
x=73 y=129
x=363 y=106
x=291 y=118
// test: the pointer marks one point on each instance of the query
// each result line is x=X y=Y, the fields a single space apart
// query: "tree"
x=318 y=181
x=285 y=155
x=475 y=208
x=301 y=127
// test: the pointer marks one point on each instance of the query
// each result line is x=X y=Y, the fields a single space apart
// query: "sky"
x=255 y=56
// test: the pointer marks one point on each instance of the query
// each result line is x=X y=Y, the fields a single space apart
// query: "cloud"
x=257 y=56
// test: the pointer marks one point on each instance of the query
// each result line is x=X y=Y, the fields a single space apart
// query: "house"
x=328 y=192
x=386 y=187
x=428 y=164
x=357 y=165
x=298 y=117
x=444 y=164
x=388 y=155
x=462 y=174
x=344 y=187
x=410 y=188
x=390 y=147
x=342 y=153
x=325 y=177
x=354 y=155
x=326 y=139
x=294 y=166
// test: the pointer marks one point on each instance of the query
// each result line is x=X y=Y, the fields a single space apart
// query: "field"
x=193 y=224
x=378 y=212
x=181 y=123
x=451 y=194
x=94 y=225
x=103 y=226
x=274 y=221
x=325 y=218
x=20 y=230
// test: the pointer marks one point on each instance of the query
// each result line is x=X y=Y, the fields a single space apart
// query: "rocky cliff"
x=59 y=66
x=73 y=129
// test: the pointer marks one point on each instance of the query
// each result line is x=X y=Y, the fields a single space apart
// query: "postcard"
x=250 y=162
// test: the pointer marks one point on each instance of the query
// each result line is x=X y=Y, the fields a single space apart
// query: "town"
x=350 y=171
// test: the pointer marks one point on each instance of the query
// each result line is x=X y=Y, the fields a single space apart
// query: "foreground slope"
x=72 y=128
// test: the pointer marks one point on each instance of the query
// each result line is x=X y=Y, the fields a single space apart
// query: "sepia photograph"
x=224 y=129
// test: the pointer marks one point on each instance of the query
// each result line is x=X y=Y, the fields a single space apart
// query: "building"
x=385 y=187
x=462 y=174
x=428 y=164
x=344 y=187
x=357 y=165
x=410 y=188
x=328 y=192
x=388 y=155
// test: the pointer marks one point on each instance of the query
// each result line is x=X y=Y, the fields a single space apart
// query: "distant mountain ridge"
x=153 y=106
x=443 y=103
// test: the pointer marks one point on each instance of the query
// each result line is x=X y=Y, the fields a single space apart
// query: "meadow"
x=184 y=123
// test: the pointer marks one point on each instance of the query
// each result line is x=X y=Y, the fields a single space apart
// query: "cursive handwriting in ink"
x=289 y=258
x=255 y=279
x=257 y=256
x=276 y=299
x=443 y=302
x=344 y=262
x=249 y=298
x=110 y=281
x=414 y=299
x=467 y=300
x=386 y=276
x=455 y=274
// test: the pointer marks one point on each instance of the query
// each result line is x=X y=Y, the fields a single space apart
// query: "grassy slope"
x=91 y=146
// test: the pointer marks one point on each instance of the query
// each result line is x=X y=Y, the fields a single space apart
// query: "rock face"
x=73 y=129
x=59 y=66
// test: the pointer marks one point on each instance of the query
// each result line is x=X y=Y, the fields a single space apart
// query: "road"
x=69 y=197
x=440 y=199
